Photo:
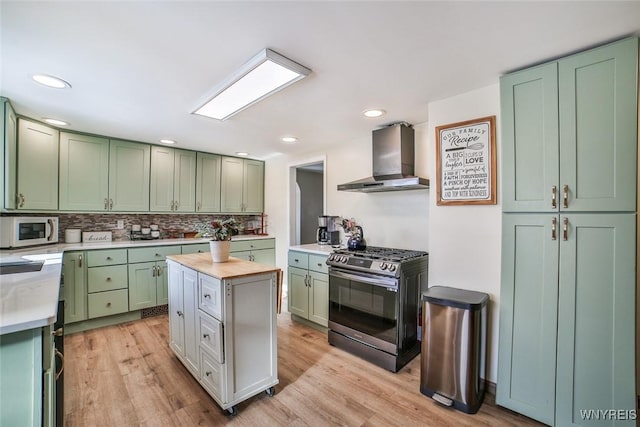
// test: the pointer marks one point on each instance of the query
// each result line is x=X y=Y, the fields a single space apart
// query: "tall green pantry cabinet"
x=568 y=291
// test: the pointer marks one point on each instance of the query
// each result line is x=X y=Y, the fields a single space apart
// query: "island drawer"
x=106 y=257
x=318 y=263
x=211 y=376
x=107 y=278
x=196 y=248
x=107 y=303
x=210 y=295
x=155 y=253
x=299 y=259
x=210 y=336
x=250 y=245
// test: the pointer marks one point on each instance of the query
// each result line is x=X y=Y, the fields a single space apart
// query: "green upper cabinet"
x=37 y=183
x=242 y=185
x=9 y=138
x=84 y=173
x=208 y=183
x=173 y=180
x=129 y=164
x=569 y=133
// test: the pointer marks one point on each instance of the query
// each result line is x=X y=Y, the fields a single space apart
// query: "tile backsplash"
x=170 y=225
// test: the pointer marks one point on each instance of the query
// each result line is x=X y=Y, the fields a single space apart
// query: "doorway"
x=307 y=200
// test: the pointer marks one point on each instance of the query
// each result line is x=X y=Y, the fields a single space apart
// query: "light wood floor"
x=126 y=375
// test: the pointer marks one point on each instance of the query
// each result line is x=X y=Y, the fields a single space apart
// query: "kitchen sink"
x=21 y=266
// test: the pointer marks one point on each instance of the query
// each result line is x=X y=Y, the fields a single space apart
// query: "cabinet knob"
x=108 y=304
x=296 y=260
x=108 y=279
x=208 y=373
x=109 y=258
x=207 y=296
x=179 y=313
x=205 y=335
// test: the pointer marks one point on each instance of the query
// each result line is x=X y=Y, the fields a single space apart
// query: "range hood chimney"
x=393 y=162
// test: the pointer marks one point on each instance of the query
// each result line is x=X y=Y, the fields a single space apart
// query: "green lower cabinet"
x=309 y=287
x=27 y=378
x=74 y=278
x=259 y=250
x=147 y=285
x=196 y=248
x=567 y=316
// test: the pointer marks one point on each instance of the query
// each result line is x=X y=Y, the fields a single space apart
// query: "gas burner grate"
x=387 y=254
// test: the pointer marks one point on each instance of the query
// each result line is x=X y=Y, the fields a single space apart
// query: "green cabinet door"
x=231 y=184
x=208 y=183
x=129 y=164
x=9 y=136
x=84 y=172
x=142 y=285
x=598 y=128
x=596 y=320
x=319 y=298
x=184 y=181
x=74 y=271
x=530 y=153
x=298 y=292
x=264 y=256
x=253 y=187
x=37 y=184
x=528 y=315
x=162 y=169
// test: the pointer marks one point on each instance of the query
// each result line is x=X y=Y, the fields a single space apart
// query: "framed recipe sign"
x=466 y=162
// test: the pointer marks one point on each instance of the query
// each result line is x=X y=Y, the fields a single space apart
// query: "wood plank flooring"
x=126 y=375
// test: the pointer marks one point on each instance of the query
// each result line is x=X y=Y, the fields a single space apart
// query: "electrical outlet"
x=120 y=224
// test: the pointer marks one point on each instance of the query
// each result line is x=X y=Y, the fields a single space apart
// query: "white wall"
x=463 y=241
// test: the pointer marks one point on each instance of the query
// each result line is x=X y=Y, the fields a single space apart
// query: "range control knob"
x=344 y=259
x=383 y=266
x=331 y=257
x=392 y=267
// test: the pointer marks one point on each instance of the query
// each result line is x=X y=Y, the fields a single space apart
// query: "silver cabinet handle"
x=110 y=204
x=106 y=204
x=158 y=271
x=565 y=196
x=553 y=228
x=565 y=229
x=21 y=200
x=554 y=190
x=177 y=205
x=79 y=261
x=153 y=271
x=199 y=205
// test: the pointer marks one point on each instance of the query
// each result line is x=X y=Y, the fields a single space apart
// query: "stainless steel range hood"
x=393 y=162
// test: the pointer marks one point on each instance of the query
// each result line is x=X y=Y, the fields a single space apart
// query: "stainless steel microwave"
x=21 y=231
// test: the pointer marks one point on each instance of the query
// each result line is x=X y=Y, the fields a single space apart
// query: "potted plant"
x=220 y=233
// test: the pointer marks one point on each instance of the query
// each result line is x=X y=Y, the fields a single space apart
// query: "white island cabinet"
x=222 y=325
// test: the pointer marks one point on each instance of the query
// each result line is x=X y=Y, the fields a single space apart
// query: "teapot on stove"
x=356 y=242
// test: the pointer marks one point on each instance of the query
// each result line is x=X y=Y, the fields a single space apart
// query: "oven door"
x=364 y=307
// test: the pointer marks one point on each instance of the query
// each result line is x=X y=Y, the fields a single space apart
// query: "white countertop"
x=30 y=300
x=314 y=248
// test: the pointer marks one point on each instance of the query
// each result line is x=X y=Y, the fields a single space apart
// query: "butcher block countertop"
x=233 y=268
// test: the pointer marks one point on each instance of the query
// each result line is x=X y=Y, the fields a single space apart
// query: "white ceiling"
x=138 y=69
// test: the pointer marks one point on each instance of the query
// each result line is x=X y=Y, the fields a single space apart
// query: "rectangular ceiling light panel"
x=262 y=75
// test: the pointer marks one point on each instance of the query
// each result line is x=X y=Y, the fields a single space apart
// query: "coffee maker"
x=328 y=230
x=322 y=236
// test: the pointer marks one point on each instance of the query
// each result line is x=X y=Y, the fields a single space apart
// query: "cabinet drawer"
x=247 y=245
x=107 y=278
x=299 y=259
x=210 y=295
x=108 y=303
x=155 y=253
x=318 y=263
x=212 y=376
x=195 y=248
x=210 y=336
x=106 y=257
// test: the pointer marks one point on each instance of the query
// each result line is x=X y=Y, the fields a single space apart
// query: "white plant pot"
x=220 y=250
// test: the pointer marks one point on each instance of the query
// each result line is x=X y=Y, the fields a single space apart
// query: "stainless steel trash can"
x=453 y=357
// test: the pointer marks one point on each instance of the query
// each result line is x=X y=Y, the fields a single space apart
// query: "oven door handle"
x=364 y=278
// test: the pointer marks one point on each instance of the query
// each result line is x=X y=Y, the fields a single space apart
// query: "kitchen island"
x=222 y=325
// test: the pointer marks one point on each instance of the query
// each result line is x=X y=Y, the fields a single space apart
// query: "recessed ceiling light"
x=56 y=122
x=264 y=74
x=242 y=153
x=373 y=113
x=289 y=139
x=167 y=141
x=51 y=81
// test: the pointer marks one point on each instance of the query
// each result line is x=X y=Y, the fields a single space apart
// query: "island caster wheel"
x=270 y=391
x=232 y=411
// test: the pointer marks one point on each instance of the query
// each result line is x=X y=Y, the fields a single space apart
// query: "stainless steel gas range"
x=374 y=303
